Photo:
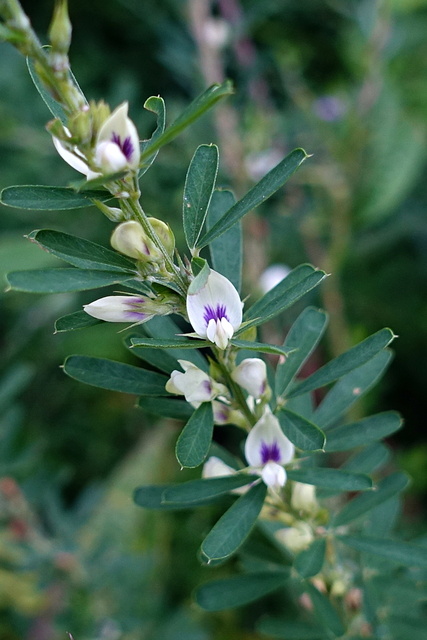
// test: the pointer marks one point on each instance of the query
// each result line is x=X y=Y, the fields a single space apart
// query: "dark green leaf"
x=299 y=282
x=165 y=327
x=195 y=439
x=226 y=252
x=169 y=343
x=198 y=189
x=40 y=198
x=158 y=359
x=196 y=109
x=349 y=389
x=368 y=460
x=150 y=497
x=259 y=346
x=304 y=434
x=116 y=376
x=195 y=490
x=324 y=610
x=167 y=408
x=289 y=630
x=238 y=591
x=303 y=337
x=61 y=280
x=388 y=487
x=156 y=105
x=265 y=188
x=331 y=479
x=363 y=431
x=404 y=553
x=309 y=562
x=345 y=363
x=81 y=253
x=234 y=526
x=76 y=320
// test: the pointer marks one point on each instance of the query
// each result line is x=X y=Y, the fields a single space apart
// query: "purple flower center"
x=218 y=313
x=270 y=452
x=126 y=147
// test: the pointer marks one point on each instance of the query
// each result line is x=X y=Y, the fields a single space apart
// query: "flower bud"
x=130 y=239
x=164 y=233
x=113 y=213
x=119 y=309
x=296 y=538
x=251 y=375
x=214 y=467
x=60 y=28
x=304 y=498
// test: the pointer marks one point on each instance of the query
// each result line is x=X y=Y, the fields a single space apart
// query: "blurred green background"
x=346 y=80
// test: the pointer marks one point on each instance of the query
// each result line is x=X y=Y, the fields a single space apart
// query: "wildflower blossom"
x=194 y=384
x=251 y=375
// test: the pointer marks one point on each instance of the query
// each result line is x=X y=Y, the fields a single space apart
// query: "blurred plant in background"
x=344 y=80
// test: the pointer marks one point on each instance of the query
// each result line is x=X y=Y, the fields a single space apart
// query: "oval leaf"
x=226 y=252
x=400 y=552
x=167 y=408
x=234 y=526
x=116 y=376
x=151 y=496
x=198 y=189
x=195 y=439
x=304 y=434
x=309 y=562
x=240 y=590
x=363 y=432
x=41 y=198
x=195 y=490
x=331 y=479
x=61 y=280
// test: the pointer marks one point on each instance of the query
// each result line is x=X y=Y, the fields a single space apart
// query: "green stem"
x=133 y=207
x=235 y=389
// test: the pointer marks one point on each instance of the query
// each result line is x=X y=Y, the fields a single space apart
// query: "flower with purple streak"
x=267 y=449
x=116 y=148
x=120 y=309
x=194 y=384
x=215 y=310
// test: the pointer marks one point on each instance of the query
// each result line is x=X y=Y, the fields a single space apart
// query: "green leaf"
x=368 y=460
x=299 y=282
x=302 y=338
x=239 y=590
x=301 y=432
x=290 y=630
x=200 y=489
x=259 y=346
x=309 y=562
x=388 y=487
x=169 y=343
x=197 y=108
x=265 y=188
x=155 y=357
x=40 y=198
x=404 y=553
x=345 y=363
x=80 y=252
x=331 y=479
x=116 y=376
x=324 y=610
x=165 y=327
x=202 y=270
x=150 y=497
x=76 y=320
x=365 y=431
x=167 y=408
x=195 y=439
x=61 y=280
x=349 y=389
x=234 y=526
x=54 y=107
x=156 y=105
x=227 y=252
x=198 y=189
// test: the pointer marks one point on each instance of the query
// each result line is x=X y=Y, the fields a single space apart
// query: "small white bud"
x=251 y=375
x=296 y=538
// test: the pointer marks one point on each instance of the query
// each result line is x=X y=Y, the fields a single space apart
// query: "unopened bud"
x=130 y=239
x=251 y=375
x=113 y=213
x=164 y=233
x=80 y=126
x=296 y=538
x=56 y=129
x=60 y=28
x=304 y=498
x=99 y=112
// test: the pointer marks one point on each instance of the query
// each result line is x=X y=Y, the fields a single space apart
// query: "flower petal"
x=119 y=129
x=266 y=442
x=118 y=309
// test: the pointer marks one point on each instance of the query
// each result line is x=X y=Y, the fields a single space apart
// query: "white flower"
x=251 y=374
x=272 y=276
x=119 y=309
x=116 y=148
x=215 y=468
x=304 y=498
x=194 y=384
x=267 y=449
x=215 y=311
